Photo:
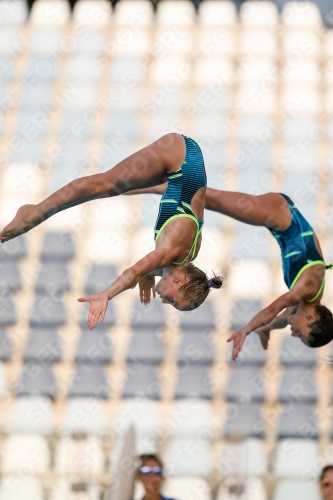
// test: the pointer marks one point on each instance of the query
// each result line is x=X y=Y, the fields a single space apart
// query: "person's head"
x=186 y=287
x=326 y=482
x=312 y=324
x=150 y=473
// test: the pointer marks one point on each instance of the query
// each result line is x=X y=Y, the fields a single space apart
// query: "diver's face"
x=326 y=485
x=151 y=481
x=168 y=288
x=300 y=325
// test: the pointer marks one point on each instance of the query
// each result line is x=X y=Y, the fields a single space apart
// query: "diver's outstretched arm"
x=156 y=259
x=279 y=322
x=146 y=168
x=263 y=318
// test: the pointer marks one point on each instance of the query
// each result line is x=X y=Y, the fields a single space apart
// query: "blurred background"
x=81 y=89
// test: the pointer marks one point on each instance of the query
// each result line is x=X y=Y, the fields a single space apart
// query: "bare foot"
x=23 y=221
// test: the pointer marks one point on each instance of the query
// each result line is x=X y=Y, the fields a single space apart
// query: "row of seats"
x=198 y=41
x=299 y=155
x=80 y=125
x=92 y=13
x=193 y=488
x=88 y=68
x=82 y=454
x=76 y=126
x=31 y=488
x=196 y=347
x=187 y=417
x=245 y=416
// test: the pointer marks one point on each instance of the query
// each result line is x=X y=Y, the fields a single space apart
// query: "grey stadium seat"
x=246 y=160
x=202 y=318
x=149 y=210
x=244 y=420
x=83 y=67
x=296 y=186
x=141 y=381
x=194 y=381
x=7 y=310
x=331 y=395
x=43 y=346
x=76 y=126
x=298 y=385
x=89 y=381
x=53 y=278
x=100 y=277
x=6 y=68
x=23 y=150
x=243 y=311
x=245 y=385
x=298 y=420
x=5 y=346
x=150 y=316
x=43 y=69
x=331 y=430
x=125 y=122
x=214 y=155
x=47 y=312
x=58 y=246
x=15 y=249
x=295 y=353
x=37 y=97
x=33 y=119
x=252 y=125
x=123 y=67
x=297 y=488
x=45 y=40
x=146 y=347
x=15 y=15
x=110 y=156
x=92 y=43
x=299 y=127
x=250 y=242
x=214 y=219
x=305 y=160
x=94 y=347
x=196 y=348
x=37 y=380
x=72 y=162
x=10 y=278
x=109 y=320
x=252 y=353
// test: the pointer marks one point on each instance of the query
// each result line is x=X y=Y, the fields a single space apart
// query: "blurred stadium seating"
x=79 y=91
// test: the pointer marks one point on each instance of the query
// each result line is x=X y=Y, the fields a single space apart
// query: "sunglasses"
x=145 y=469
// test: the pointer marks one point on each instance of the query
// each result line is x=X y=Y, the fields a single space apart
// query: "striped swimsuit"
x=298 y=248
x=182 y=186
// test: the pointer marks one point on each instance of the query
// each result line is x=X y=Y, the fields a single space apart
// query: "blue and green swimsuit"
x=182 y=186
x=298 y=248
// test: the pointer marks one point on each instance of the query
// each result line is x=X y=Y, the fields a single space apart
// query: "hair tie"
x=209 y=283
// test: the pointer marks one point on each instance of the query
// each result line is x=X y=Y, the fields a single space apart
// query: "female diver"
x=303 y=264
x=177 y=159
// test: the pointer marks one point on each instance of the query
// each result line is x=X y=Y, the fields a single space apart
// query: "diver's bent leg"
x=76 y=192
x=270 y=210
x=145 y=168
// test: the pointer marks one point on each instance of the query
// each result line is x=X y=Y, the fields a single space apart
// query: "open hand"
x=98 y=306
x=238 y=339
x=146 y=286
